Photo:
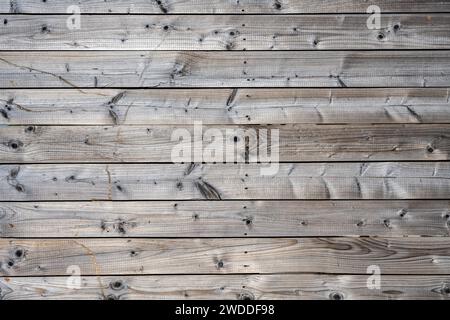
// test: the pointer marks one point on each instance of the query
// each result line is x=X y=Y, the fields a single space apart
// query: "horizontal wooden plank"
x=224 y=69
x=223 y=106
x=34 y=144
x=221 y=6
x=32 y=257
x=310 y=32
x=230 y=287
x=383 y=180
x=224 y=219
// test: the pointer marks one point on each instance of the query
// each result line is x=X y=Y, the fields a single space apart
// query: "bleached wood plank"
x=223 y=106
x=233 y=32
x=58 y=144
x=224 y=219
x=383 y=180
x=224 y=69
x=41 y=257
x=222 y=6
x=230 y=287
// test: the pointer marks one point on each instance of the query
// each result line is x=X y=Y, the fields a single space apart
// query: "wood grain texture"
x=87 y=123
x=57 y=144
x=230 y=287
x=187 y=32
x=32 y=257
x=383 y=180
x=222 y=6
x=224 y=69
x=224 y=219
x=223 y=106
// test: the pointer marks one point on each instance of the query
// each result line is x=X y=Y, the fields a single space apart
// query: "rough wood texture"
x=224 y=219
x=224 y=69
x=34 y=144
x=222 y=6
x=86 y=168
x=230 y=287
x=384 y=180
x=316 y=32
x=218 y=256
x=223 y=106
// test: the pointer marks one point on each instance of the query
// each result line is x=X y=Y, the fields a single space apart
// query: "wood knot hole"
x=19 y=253
x=336 y=296
x=446 y=290
x=15 y=144
x=246 y=296
x=117 y=285
x=30 y=129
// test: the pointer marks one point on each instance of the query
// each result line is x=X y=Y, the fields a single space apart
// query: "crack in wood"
x=207 y=190
x=40 y=71
x=232 y=96
x=11 y=102
x=363 y=169
x=326 y=188
x=161 y=6
x=414 y=114
x=97 y=268
x=4 y=114
x=109 y=183
x=114 y=116
x=116 y=98
x=358 y=186
x=190 y=168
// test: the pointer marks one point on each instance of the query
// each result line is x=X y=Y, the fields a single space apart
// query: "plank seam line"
x=228 y=51
x=227 y=274
x=222 y=200
x=228 y=238
x=224 y=13
x=222 y=87
x=227 y=163
x=400 y=236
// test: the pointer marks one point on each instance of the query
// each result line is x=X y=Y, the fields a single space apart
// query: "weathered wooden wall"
x=86 y=177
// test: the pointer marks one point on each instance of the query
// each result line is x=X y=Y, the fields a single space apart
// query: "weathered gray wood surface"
x=223 y=106
x=222 y=6
x=384 y=180
x=224 y=69
x=86 y=118
x=232 y=287
x=39 y=257
x=34 y=144
x=224 y=219
x=255 y=32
